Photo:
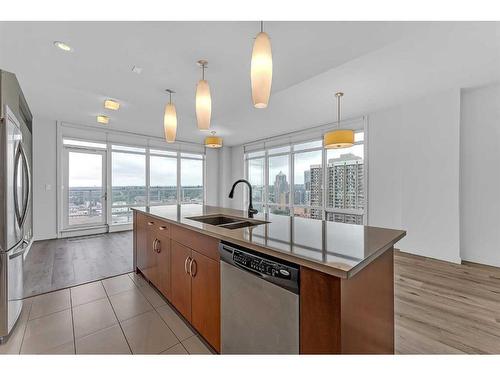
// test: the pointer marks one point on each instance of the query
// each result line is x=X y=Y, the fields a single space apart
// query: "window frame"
x=83 y=149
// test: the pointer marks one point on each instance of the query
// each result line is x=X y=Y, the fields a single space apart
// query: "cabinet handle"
x=158 y=248
x=186 y=265
x=154 y=244
x=191 y=268
x=151 y=223
x=163 y=228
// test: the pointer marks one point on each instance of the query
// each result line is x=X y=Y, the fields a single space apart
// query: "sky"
x=85 y=170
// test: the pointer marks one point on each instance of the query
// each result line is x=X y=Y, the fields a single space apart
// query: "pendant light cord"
x=261 y=26
x=339 y=96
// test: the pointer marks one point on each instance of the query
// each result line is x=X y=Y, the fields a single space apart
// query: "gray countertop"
x=338 y=249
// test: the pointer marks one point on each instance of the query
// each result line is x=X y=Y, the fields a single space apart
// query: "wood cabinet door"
x=141 y=241
x=151 y=271
x=163 y=266
x=205 y=298
x=180 y=279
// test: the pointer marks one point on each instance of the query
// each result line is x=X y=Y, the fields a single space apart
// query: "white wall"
x=414 y=166
x=480 y=178
x=44 y=179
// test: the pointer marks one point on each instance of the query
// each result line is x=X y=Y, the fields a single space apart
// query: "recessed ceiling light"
x=137 y=69
x=63 y=46
x=101 y=119
x=111 y=104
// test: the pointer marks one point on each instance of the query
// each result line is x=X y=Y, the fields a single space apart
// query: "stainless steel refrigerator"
x=15 y=199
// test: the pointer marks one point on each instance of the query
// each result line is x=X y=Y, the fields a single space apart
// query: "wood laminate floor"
x=62 y=263
x=444 y=308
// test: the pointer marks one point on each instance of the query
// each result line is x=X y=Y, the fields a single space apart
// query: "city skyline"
x=344 y=183
x=85 y=170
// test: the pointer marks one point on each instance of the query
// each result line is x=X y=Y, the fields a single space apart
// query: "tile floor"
x=119 y=315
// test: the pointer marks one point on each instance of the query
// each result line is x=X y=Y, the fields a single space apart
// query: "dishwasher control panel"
x=272 y=269
x=262 y=266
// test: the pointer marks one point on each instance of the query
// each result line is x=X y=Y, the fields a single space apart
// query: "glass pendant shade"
x=170 y=123
x=341 y=138
x=203 y=105
x=261 y=70
x=213 y=141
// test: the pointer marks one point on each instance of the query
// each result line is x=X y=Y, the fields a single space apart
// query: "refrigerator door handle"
x=16 y=187
x=26 y=170
x=18 y=253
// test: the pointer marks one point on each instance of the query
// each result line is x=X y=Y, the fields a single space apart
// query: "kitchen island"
x=346 y=272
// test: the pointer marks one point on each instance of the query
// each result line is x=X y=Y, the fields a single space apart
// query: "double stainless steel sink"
x=227 y=222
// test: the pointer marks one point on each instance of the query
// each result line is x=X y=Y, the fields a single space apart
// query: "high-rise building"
x=281 y=190
x=344 y=179
x=345 y=187
x=316 y=195
x=307 y=179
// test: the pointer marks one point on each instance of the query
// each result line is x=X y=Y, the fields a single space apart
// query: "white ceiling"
x=377 y=64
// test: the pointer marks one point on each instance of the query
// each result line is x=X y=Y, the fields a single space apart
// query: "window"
x=306 y=180
x=162 y=180
x=256 y=176
x=106 y=180
x=128 y=149
x=191 y=181
x=345 y=184
x=84 y=144
x=85 y=188
x=308 y=184
x=128 y=185
x=279 y=185
x=163 y=152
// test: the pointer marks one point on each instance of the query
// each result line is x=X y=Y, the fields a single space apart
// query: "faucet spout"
x=251 y=210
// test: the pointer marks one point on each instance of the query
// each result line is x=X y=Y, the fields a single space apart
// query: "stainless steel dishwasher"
x=259 y=303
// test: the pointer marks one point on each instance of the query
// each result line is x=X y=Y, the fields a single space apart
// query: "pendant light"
x=261 y=69
x=213 y=141
x=203 y=99
x=339 y=138
x=170 y=119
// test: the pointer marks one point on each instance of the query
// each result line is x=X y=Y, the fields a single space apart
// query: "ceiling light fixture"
x=338 y=138
x=203 y=99
x=213 y=141
x=111 y=104
x=170 y=119
x=63 y=46
x=261 y=69
x=137 y=69
x=101 y=119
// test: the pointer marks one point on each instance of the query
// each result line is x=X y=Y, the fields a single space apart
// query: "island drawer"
x=159 y=227
x=203 y=244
